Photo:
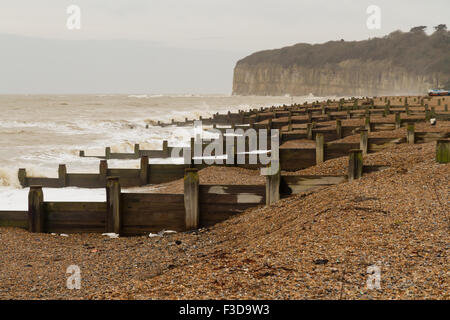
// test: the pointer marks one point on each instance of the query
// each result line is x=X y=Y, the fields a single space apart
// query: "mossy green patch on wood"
x=443 y=151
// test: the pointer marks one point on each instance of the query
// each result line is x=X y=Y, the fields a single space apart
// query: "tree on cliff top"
x=418 y=29
x=440 y=27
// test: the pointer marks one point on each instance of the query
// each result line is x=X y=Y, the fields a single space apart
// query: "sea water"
x=39 y=132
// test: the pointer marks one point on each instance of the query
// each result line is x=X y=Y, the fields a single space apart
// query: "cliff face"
x=348 y=78
x=346 y=70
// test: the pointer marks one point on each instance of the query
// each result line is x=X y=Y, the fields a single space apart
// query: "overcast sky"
x=228 y=29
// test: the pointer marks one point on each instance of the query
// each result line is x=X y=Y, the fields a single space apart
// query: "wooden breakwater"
x=146 y=174
x=140 y=213
x=291 y=158
x=137 y=213
x=286 y=119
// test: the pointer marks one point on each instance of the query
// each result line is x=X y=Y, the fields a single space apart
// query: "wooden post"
x=398 y=121
x=144 y=170
x=36 y=214
x=289 y=121
x=427 y=115
x=113 y=212
x=443 y=151
x=22 y=175
x=290 y=126
x=309 y=133
x=410 y=135
x=320 y=152
x=273 y=188
x=107 y=152
x=355 y=165
x=386 y=111
x=166 y=148
x=192 y=150
x=62 y=175
x=191 y=198
x=137 y=150
x=367 y=123
x=339 y=129
x=103 y=169
x=364 y=141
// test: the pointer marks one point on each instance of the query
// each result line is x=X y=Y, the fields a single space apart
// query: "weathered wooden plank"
x=373 y=168
x=124 y=173
x=44 y=182
x=75 y=217
x=123 y=156
x=337 y=150
x=313 y=180
x=231 y=208
x=84 y=180
x=424 y=137
x=144 y=213
x=53 y=206
x=243 y=198
x=14 y=219
x=151 y=197
x=298 y=184
x=161 y=173
x=296 y=159
x=378 y=144
x=145 y=221
x=232 y=189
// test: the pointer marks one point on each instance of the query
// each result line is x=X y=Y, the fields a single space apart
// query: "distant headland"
x=399 y=63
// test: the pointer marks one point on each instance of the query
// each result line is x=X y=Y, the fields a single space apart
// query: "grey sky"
x=228 y=29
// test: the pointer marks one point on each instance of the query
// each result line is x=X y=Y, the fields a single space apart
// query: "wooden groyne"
x=204 y=205
x=140 y=213
x=291 y=159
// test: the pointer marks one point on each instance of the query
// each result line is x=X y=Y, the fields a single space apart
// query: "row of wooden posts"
x=125 y=206
x=368 y=105
x=148 y=174
x=113 y=220
x=311 y=128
